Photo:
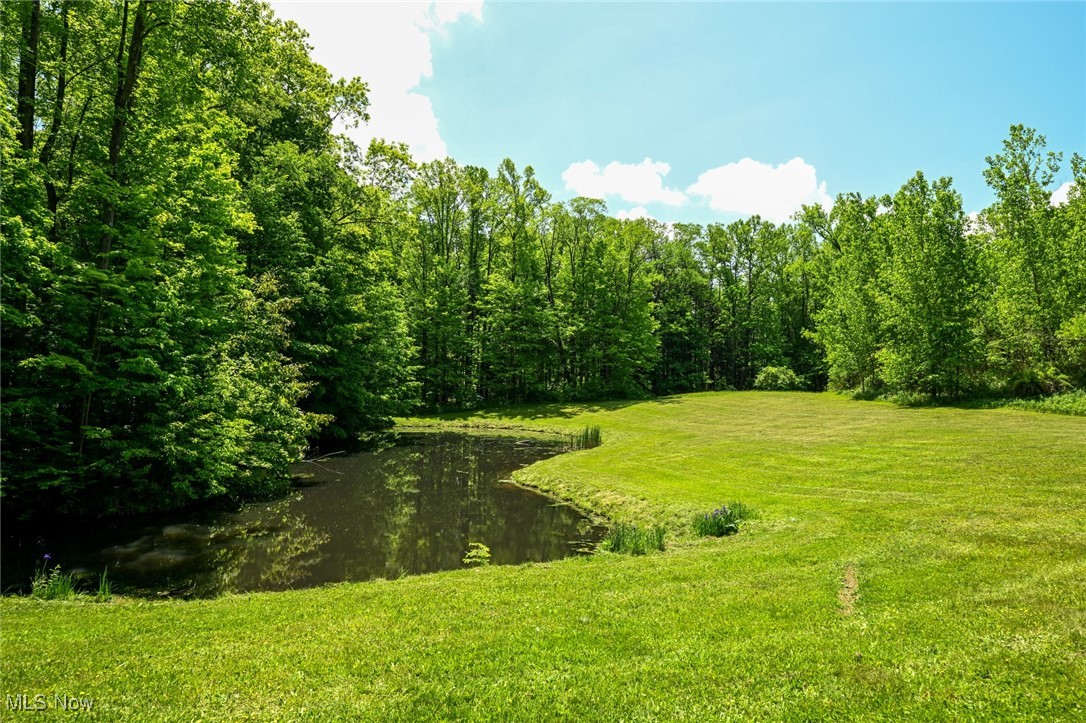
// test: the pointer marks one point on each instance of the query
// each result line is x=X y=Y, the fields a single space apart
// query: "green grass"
x=905 y=564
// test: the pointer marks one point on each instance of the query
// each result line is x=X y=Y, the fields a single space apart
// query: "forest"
x=203 y=277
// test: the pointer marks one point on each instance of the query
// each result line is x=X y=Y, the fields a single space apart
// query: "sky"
x=704 y=112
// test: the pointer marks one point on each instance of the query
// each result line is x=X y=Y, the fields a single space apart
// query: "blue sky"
x=740 y=107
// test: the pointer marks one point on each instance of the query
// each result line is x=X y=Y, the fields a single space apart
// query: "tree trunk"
x=28 y=77
x=127 y=76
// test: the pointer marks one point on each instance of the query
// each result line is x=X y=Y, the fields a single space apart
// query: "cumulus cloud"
x=750 y=187
x=638 y=183
x=1059 y=196
x=634 y=213
x=388 y=46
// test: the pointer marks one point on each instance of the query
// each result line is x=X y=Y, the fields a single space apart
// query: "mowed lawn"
x=906 y=564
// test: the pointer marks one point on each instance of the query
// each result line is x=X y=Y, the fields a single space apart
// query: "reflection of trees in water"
x=388 y=509
x=458 y=501
x=450 y=503
x=274 y=549
x=407 y=509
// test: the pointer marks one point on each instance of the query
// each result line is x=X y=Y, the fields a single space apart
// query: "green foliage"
x=1037 y=380
x=725 y=520
x=929 y=306
x=922 y=304
x=1073 y=403
x=478 y=554
x=190 y=290
x=777 y=379
x=52 y=583
x=587 y=438
x=633 y=540
x=201 y=277
x=848 y=326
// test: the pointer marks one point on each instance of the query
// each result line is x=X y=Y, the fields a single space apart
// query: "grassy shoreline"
x=921 y=563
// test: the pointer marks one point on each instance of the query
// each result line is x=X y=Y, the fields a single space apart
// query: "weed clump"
x=587 y=438
x=632 y=540
x=105 y=590
x=724 y=520
x=52 y=584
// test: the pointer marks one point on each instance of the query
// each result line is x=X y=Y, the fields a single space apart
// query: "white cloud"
x=975 y=223
x=634 y=182
x=750 y=187
x=634 y=213
x=1059 y=196
x=388 y=46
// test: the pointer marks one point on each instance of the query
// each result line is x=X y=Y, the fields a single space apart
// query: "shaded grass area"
x=1072 y=402
x=904 y=564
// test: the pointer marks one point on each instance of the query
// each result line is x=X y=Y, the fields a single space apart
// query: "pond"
x=412 y=507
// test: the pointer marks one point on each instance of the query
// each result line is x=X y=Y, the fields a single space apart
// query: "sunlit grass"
x=905 y=564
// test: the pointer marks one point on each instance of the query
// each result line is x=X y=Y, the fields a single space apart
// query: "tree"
x=930 y=303
x=1030 y=301
x=849 y=324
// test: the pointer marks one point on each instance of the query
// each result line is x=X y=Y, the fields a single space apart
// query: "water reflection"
x=410 y=508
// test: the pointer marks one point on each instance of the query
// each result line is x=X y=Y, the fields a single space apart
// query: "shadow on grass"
x=1068 y=403
x=548 y=410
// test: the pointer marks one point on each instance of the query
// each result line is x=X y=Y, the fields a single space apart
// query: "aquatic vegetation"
x=633 y=540
x=587 y=438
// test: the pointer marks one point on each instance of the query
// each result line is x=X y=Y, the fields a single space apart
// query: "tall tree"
x=849 y=326
x=1030 y=302
x=930 y=304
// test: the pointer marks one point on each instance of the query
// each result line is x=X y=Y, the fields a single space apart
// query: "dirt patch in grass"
x=849 y=592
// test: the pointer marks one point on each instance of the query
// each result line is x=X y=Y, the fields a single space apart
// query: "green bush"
x=724 y=520
x=777 y=379
x=1073 y=403
x=632 y=540
x=908 y=399
x=1035 y=382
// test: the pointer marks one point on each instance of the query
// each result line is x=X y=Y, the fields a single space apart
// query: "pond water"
x=410 y=508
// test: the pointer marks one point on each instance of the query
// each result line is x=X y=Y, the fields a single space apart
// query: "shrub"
x=1035 y=382
x=724 y=520
x=777 y=379
x=632 y=540
x=1067 y=403
x=908 y=399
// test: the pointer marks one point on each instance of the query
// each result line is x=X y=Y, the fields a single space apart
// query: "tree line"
x=202 y=276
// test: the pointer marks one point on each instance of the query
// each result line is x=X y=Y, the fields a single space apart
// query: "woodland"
x=203 y=277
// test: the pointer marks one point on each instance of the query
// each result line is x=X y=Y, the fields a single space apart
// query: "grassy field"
x=906 y=564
